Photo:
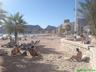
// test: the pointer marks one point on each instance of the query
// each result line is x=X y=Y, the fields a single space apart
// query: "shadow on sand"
x=44 y=50
x=21 y=64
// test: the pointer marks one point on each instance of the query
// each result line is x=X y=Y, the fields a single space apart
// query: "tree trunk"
x=66 y=34
x=16 y=36
x=10 y=37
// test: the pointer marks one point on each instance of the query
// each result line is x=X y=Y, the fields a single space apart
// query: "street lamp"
x=76 y=19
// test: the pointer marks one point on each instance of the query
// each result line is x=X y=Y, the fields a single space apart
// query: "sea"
x=22 y=35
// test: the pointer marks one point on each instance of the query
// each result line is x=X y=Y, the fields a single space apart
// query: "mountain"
x=50 y=27
x=34 y=29
x=38 y=29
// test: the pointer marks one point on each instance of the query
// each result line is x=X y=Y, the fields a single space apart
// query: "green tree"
x=16 y=24
x=88 y=11
x=67 y=27
x=62 y=30
x=8 y=26
x=2 y=14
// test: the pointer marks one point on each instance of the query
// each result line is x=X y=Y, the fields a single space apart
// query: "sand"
x=55 y=54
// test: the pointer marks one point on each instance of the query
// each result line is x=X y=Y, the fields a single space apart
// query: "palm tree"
x=60 y=29
x=88 y=10
x=2 y=14
x=8 y=26
x=67 y=27
x=15 y=24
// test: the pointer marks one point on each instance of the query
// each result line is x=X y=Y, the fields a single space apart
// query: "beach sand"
x=55 y=54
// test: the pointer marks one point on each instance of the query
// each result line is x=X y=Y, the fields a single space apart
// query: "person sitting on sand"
x=78 y=56
x=34 y=52
x=15 y=51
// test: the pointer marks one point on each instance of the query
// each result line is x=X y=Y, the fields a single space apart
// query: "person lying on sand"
x=77 y=57
x=15 y=51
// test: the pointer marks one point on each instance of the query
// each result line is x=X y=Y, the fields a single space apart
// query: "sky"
x=42 y=12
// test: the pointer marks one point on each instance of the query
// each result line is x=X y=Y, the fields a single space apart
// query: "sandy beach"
x=55 y=54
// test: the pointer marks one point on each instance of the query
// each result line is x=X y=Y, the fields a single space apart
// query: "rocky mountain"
x=50 y=28
x=35 y=29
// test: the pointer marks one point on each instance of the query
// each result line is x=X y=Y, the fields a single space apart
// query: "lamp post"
x=76 y=19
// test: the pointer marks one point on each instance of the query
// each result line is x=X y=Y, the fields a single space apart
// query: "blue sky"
x=42 y=12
